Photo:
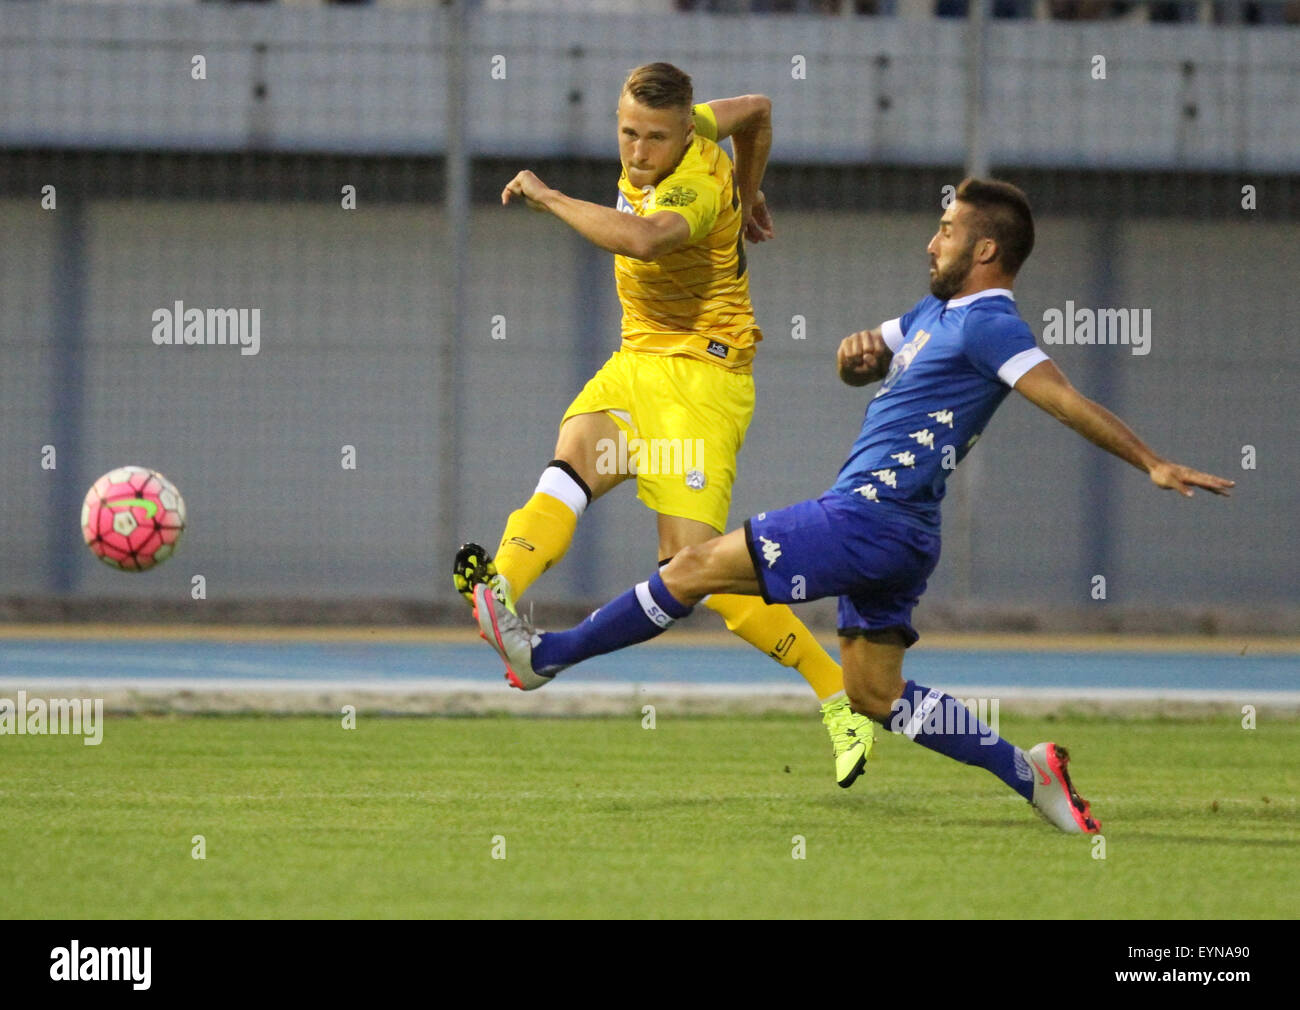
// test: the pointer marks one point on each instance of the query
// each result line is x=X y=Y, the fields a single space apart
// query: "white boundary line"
x=598 y=689
x=939 y=641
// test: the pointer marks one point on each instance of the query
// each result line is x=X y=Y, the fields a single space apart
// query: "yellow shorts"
x=682 y=422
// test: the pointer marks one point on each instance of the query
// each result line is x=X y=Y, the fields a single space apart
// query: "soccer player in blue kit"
x=873 y=538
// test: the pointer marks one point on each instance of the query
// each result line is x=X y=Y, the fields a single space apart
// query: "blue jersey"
x=954 y=363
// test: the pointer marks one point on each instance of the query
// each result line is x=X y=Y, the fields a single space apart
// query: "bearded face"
x=949 y=270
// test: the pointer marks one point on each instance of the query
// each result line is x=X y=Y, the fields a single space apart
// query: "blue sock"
x=639 y=614
x=942 y=723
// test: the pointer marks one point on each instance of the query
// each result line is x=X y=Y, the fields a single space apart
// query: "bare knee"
x=684 y=574
x=579 y=446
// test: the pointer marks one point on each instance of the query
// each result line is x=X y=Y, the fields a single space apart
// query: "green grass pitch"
x=600 y=817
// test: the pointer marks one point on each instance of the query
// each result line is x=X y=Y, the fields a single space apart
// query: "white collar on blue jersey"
x=956 y=303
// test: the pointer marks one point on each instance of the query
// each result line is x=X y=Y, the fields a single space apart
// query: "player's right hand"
x=863 y=357
x=528 y=186
x=758 y=220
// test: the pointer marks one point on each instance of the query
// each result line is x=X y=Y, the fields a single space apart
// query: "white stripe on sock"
x=652 y=610
x=558 y=484
x=915 y=723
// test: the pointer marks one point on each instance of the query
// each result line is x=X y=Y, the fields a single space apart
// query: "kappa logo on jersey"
x=942 y=417
x=903 y=360
x=868 y=491
x=678 y=196
x=904 y=458
x=624 y=204
x=925 y=437
x=771 y=550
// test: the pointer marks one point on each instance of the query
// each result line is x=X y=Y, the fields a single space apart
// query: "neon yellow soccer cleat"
x=474 y=566
x=852 y=737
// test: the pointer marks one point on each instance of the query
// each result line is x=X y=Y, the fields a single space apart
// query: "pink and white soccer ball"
x=132 y=518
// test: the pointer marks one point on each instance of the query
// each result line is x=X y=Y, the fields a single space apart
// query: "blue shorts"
x=828 y=546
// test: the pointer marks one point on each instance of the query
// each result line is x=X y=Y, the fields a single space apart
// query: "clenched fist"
x=863 y=357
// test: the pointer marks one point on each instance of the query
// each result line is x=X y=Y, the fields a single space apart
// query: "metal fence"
x=337 y=170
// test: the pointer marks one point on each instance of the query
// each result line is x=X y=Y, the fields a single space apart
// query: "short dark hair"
x=1001 y=213
x=660 y=86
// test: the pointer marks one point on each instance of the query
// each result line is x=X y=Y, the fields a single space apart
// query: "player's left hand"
x=1182 y=479
x=528 y=186
x=758 y=220
x=863 y=357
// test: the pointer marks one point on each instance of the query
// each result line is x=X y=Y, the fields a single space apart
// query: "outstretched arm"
x=643 y=238
x=747 y=120
x=1046 y=386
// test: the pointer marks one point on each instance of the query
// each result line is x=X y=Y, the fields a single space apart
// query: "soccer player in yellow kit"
x=680 y=385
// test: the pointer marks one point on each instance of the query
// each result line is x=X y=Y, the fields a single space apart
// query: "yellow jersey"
x=694 y=301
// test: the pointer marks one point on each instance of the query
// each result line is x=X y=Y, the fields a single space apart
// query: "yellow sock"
x=773 y=628
x=536 y=536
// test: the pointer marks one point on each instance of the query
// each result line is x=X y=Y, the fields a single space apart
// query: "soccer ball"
x=132 y=518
